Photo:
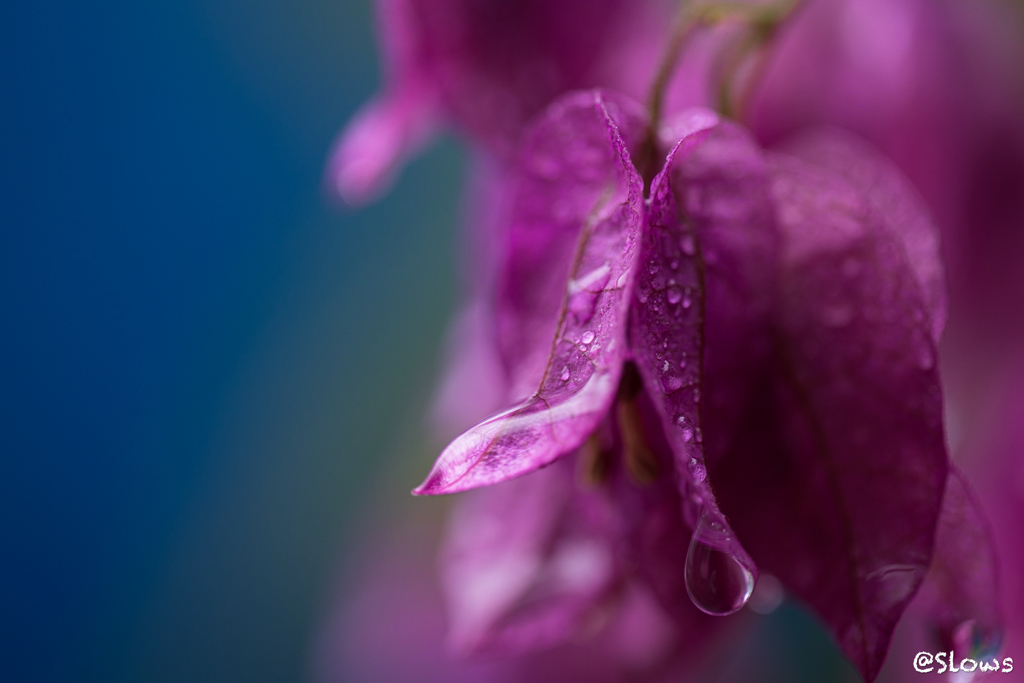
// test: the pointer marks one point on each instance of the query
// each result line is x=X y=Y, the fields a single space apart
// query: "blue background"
x=204 y=366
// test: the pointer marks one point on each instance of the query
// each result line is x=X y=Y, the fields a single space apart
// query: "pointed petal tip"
x=431 y=486
x=363 y=162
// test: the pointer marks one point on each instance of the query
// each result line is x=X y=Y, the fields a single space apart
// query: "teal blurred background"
x=205 y=368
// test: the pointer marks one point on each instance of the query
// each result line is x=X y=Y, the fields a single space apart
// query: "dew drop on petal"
x=975 y=640
x=717 y=581
x=674 y=295
x=587 y=337
x=671 y=383
x=565 y=373
x=698 y=470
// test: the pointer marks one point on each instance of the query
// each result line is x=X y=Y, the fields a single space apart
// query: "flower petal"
x=896 y=204
x=961 y=593
x=397 y=122
x=564 y=296
x=704 y=291
x=836 y=480
x=527 y=561
x=362 y=164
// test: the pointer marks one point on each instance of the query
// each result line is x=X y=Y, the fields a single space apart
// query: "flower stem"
x=762 y=19
x=734 y=99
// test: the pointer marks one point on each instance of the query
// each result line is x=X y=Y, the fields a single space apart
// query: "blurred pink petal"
x=528 y=562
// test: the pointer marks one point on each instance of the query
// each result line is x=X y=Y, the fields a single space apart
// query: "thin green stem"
x=692 y=16
x=733 y=98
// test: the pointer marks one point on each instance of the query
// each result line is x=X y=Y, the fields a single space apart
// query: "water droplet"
x=674 y=295
x=664 y=345
x=687 y=301
x=687 y=433
x=643 y=294
x=975 y=640
x=671 y=383
x=682 y=364
x=565 y=373
x=717 y=581
x=688 y=244
x=674 y=264
x=698 y=470
x=696 y=395
x=665 y=367
x=588 y=337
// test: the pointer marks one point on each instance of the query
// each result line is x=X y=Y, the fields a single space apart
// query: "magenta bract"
x=753 y=347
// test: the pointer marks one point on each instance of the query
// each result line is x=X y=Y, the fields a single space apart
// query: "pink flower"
x=728 y=365
x=749 y=355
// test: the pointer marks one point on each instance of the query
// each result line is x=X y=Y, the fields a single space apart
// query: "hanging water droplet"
x=688 y=244
x=587 y=337
x=674 y=295
x=717 y=581
x=975 y=640
x=565 y=373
